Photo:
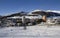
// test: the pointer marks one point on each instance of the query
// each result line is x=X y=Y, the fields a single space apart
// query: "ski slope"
x=31 y=32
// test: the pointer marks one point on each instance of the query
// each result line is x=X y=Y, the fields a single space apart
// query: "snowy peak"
x=53 y=11
x=35 y=11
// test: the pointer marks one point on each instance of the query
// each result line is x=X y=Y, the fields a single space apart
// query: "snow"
x=31 y=32
x=56 y=11
x=16 y=17
x=34 y=17
x=34 y=11
x=53 y=11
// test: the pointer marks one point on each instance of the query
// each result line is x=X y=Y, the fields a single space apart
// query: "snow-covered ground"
x=37 y=31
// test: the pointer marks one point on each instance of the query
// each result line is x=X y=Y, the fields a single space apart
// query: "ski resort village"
x=32 y=18
x=34 y=24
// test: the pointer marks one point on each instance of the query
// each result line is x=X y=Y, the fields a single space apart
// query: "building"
x=53 y=20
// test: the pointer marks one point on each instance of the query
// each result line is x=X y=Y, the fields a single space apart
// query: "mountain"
x=39 y=12
x=34 y=11
x=55 y=11
x=47 y=12
x=15 y=14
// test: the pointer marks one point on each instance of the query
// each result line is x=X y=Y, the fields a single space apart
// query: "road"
x=31 y=32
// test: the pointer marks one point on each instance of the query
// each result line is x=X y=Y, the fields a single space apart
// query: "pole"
x=23 y=22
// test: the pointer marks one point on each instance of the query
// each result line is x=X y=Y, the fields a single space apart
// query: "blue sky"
x=14 y=6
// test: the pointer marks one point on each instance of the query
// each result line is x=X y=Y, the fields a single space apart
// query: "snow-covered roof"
x=15 y=17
